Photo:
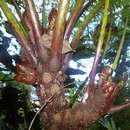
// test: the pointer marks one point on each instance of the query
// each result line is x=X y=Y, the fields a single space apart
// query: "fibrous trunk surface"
x=57 y=115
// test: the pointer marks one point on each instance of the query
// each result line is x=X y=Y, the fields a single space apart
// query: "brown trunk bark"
x=52 y=84
x=57 y=116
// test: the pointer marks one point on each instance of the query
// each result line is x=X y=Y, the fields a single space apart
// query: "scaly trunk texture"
x=57 y=116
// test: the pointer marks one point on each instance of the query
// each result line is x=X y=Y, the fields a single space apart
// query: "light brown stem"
x=98 y=50
x=29 y=4
x=59 y=29
x=57 y=41
x=41 y=50
x=73 y=19
x=118 y=108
